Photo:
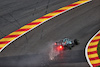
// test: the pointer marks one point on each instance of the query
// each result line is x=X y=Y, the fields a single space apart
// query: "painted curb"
x=4 y=42
x=91 y=50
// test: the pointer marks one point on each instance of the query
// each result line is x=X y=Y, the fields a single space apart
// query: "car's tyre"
x=69 y=47
x=76 y=42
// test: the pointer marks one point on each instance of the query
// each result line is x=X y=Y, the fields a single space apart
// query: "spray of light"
x=53 y=53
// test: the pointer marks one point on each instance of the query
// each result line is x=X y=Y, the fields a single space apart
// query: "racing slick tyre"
x=69 y=47
x=76 y=42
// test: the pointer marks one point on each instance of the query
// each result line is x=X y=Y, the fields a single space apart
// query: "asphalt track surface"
x=31 y=50
x=15 y=14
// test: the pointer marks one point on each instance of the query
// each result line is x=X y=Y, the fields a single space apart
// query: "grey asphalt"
x=32 y=49
x=16 y=13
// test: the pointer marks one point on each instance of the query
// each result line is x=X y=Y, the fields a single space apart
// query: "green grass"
x=98 y=50
x=97 y=66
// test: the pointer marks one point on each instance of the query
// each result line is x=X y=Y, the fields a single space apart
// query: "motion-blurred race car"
x=65 y=43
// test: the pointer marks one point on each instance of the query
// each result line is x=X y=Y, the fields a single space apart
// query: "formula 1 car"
x=65 y=43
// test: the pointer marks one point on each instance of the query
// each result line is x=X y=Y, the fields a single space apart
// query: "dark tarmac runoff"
x=32 y=49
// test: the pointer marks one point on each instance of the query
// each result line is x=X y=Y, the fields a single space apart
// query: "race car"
x=65 y=43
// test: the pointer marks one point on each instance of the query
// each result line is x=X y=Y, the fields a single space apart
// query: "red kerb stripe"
x=72 y=5
x=22 y=30
x=35 y=23
x=98 y=35
x=11 y=36
x=45 y=17
x=95 y=65
x=92 y=46
x=95 y=58
x=58 y=11
x=93 y=52
x=95 y=40
x=4 y=42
